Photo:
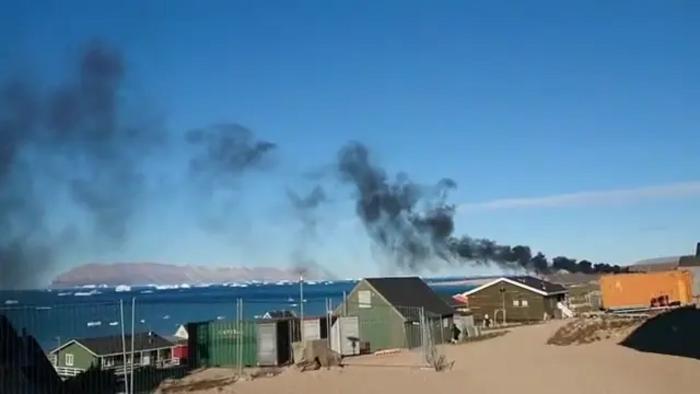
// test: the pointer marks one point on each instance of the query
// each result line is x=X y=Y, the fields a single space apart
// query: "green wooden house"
x=78 y=355
x=524 y=298
x=389 y=312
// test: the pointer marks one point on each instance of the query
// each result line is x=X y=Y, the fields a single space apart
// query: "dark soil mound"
x=676 y=333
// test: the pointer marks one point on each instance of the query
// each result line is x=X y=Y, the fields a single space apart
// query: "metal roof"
x=102 y=346
x=410 y=292
x=689 y=261
x=531 y=283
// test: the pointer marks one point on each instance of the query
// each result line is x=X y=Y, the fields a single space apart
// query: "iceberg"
x=86 y=293
x=122 y=288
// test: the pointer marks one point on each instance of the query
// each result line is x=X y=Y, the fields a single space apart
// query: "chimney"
x=697 y=250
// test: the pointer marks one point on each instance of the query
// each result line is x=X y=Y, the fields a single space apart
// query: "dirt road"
x=519 y=361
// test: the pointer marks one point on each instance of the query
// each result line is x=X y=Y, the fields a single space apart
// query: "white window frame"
x=69 y=359
x=516 y=303
x=364 y=298
x=108 y=361
x=524 y=303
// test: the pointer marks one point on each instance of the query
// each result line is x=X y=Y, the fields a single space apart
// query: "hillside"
x=156 y=273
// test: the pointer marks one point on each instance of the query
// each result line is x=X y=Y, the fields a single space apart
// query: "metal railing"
x=68 y=371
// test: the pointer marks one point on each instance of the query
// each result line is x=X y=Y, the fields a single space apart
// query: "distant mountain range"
x=162 y=274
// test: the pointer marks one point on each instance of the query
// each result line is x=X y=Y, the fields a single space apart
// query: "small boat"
x=147 y=292
x=142 y=321
x=114 y=323
x=220 y=317
x=11 y=302
x=64 y=294
x=166 y=317
x=94 y=323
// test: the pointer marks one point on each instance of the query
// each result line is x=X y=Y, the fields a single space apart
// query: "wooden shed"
x=524 y=298
x=389 y=311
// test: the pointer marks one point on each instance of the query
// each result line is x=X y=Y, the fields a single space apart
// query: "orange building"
x=644 y=290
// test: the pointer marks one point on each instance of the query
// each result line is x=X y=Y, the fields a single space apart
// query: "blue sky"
x=513 y=101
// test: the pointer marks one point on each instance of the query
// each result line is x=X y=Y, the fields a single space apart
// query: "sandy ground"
x=519 y=361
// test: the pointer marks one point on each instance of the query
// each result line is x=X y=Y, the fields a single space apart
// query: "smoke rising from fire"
x=305 y=209
x=225 y=151
x=79 y=135
x=414 y=224
x=80 y=141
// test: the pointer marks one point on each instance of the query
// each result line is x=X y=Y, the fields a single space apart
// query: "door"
x=267 y=344
x=345 y=334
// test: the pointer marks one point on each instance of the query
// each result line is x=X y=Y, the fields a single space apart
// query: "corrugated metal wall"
x=216 y=344
x=267 y=343
x=696 y=279
x=638 y=289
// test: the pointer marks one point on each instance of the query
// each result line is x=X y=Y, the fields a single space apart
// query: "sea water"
x=56 y=317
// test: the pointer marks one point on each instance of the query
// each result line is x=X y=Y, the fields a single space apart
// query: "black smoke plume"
x=73 y=139
x=225 y=151
x=85 y=120
x=414 y=224
x=305 y=208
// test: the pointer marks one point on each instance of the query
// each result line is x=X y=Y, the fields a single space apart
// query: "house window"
x=108 y=361
x=365 y=298
x=516 y=303
x=69 y=360
x=523 y=303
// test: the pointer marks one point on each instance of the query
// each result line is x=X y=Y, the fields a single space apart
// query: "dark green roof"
x=410 y=292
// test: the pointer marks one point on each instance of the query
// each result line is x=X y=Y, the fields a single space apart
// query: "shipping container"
x=345 y=334
x=645 y=290
x=217 y=344
x=314 y=328
x=275 y=338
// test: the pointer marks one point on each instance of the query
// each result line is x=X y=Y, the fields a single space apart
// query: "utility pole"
x=503 y=303
x=301 y=303
x=126 y=375
x=133 y=318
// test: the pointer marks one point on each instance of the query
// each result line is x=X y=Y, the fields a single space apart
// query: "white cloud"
x=600 y=197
